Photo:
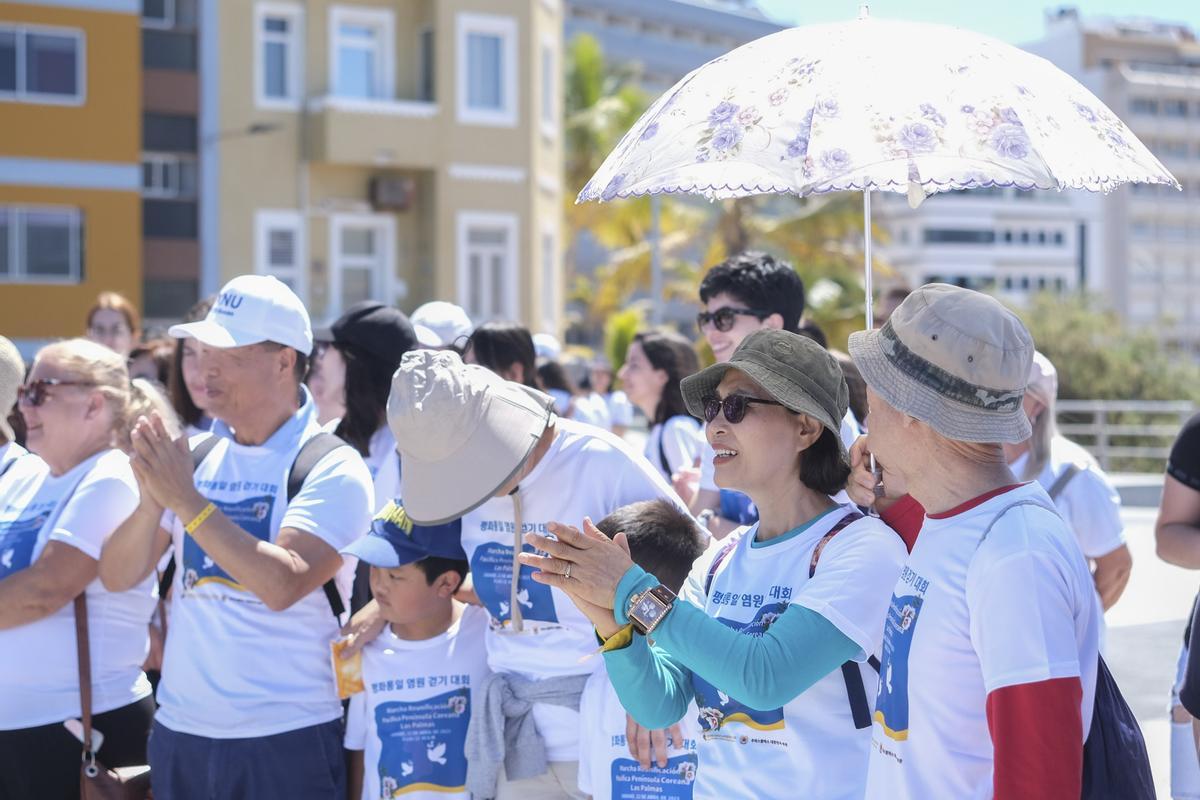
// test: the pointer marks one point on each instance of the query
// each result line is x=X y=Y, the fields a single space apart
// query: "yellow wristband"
x=199 y=520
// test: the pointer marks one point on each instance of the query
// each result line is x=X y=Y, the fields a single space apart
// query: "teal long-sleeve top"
x=654 y=683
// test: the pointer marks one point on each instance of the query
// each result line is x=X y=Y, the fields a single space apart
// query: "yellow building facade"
x=70 y=134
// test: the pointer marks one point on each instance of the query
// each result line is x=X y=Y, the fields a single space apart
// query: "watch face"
x=648 y=609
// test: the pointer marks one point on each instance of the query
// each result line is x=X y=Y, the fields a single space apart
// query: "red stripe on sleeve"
x=905 y=517
x=1037 y=736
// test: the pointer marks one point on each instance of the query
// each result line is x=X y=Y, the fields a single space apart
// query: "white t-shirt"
x=582 y=409
x=607 y=771
x=810 y=747
x=680 y=439
x=849 y=431
x=968 y=618
x=10 y=452
x=619 y=408
x=233 y=668
x=383 y=462
x=1089 y=502
x=411 y=722
x=39 y=668
x=586 y=472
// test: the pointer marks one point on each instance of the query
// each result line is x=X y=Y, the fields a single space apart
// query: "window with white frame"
x=427 y=66
x=487 y=69
x=362 y=52
x=487 y=263
x=279 y=248
x=41 y=244
x=549 y=91
x=168 y=175
x=278 y=54
x=362 y=259
x=41 y=65
x=158 y=13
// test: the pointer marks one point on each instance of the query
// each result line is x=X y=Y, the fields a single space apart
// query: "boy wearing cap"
x=492 y=452
x=990 y=653
x=407 y=730
x=248 y=707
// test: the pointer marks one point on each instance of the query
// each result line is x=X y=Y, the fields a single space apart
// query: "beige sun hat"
x=12 y=375
x=462 y=431
x=953 y=358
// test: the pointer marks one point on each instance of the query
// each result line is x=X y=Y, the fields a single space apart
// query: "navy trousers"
x=305 y=764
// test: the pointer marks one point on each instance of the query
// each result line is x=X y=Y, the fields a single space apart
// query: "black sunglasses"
x=34 y=393
x=734 y=407
x=724 y=317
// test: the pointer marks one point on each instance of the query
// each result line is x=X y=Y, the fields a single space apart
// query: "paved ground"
x=1144 y=635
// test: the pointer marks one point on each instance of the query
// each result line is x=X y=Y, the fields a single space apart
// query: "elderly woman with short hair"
x=990 y=653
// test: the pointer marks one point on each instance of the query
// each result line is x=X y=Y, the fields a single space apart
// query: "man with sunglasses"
x=749 y=292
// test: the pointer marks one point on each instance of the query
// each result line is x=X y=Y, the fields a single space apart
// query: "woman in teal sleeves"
x=773 y=631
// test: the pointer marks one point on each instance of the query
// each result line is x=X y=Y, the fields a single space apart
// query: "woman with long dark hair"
x=364 y=347
x=654 y=365
x=185 y=384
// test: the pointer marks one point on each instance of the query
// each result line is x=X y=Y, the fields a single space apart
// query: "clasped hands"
x=163 y=467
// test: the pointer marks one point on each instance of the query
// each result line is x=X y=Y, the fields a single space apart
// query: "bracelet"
x=204 y=514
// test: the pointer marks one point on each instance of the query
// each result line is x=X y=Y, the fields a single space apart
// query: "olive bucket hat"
x=793 y=369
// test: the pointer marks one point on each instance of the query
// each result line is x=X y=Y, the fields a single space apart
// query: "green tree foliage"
x=1100 y=358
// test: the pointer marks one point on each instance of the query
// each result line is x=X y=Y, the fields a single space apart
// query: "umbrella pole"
x=868 y=289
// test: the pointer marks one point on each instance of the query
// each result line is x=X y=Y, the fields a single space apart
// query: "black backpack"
x=311 y=452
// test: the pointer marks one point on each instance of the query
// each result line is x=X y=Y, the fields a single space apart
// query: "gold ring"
x=567 y=574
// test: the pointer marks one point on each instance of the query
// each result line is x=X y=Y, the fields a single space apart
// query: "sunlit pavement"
x=1145 y=630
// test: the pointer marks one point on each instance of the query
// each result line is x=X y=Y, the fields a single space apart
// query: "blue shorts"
x=305 y=764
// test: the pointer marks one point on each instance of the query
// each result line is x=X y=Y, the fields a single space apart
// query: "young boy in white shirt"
x=664 y=541
x=406 y=731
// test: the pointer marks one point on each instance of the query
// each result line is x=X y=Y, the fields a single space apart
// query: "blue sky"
x=1013 y=21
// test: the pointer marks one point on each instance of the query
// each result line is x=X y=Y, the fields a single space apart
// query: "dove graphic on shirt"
x=724 y=698
x=503 y=609
x=436 y=752
x=406 y=769
x=523 y=598
x=7 y=559
x=208 y=563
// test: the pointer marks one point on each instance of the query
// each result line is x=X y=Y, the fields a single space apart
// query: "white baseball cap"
x=446 y=321
x=251 y=309
x=547 y=346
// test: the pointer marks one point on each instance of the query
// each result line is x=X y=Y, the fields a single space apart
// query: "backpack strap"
x=716 y=562
x=1061 y=483
x=311 y=452
x=662 y=451
x=856 y=692
x=7 y=465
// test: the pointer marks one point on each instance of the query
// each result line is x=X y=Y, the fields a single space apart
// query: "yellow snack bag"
x=347 y=672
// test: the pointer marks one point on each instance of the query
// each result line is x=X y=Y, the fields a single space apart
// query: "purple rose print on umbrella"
x=917 y=137
x=967 y=109
x=650 y=131
x=835 y=160
x=614 y=186
x=726 y=138
x=826 y=107
x=1115 y=140
x=1010 y=141
x=1010 y=116
x=930 y=113
x=1086 y=112
x=723 y=112
x=748 y=116
x=798 y=147
x=778 y=97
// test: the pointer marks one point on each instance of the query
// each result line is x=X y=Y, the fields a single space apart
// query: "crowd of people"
x=407 y=555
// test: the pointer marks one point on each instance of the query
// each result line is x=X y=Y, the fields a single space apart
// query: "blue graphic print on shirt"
x=672 y=782
x=718 y=709
x=491 y=564
x=422 y=743
x=17 y=540
x=253 y=515
x=891 y=704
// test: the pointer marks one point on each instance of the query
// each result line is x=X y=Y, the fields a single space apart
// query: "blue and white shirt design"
x=891 y=704
x=19 y=537
x=422 y=742
x=251 y=514
x=716 y=708
x=491 y=569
